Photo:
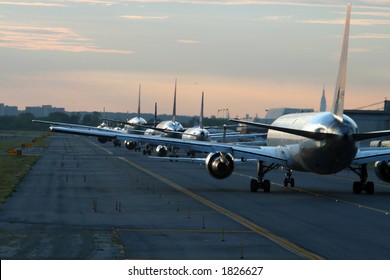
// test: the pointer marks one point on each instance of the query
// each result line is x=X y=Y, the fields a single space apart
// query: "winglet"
x=338 y=101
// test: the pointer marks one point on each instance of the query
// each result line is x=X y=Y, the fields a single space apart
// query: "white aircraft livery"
x=321 y=143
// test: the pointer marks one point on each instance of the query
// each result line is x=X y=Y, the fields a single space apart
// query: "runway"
x=85 y=200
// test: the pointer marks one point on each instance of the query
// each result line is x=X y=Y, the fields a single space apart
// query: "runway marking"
x=186 y=230
x=342 y=201
x=97 y=145
x=243 y=221
x=325 y=196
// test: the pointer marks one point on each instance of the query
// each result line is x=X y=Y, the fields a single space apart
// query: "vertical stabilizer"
x=338 y=101
x=155 y=114
x=201 y=112
x=139 y=101
x=174 y=104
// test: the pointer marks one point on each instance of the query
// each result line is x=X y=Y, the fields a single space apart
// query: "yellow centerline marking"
x=342 y=201
x=185 y=230
x=243 y=221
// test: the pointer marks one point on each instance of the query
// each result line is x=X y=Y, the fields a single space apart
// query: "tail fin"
x=201 y=112
x=174 y=104
x=338 y=101
x=139 y=101
x=155 y=114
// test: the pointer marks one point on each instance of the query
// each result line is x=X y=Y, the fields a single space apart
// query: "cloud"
x=135 y=17
x=364 y=22
x=375 y=1
x=358 y=50
x=35 y=4
x=370 y=36
x=36 y=38
x=275 y=18
x=374 y=14
x=188 y=42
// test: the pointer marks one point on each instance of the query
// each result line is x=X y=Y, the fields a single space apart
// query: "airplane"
x=135 y=125
x=170 y=128
x=200 y=133
x=318 y=142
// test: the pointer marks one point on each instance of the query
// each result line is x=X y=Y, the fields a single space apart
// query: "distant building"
x=274 y=113
x=8 y=110
x=44 y=110
x=371 y=120
x=323 y=101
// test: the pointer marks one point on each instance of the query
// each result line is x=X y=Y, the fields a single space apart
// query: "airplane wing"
x=366 y=155
x=236 y=136
x=87 y=127
x=70 y=125
x=275 y=155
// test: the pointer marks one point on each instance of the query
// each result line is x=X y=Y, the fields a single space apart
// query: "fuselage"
x=196 y=133
x=135 y=125
x=330 y=155
x=169 y=128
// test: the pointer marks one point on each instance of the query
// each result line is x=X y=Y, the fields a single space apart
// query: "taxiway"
x=85 y=200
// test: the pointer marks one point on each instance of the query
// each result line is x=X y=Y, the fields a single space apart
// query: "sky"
x=246 y=55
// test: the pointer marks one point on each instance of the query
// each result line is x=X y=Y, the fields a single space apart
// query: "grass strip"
x=13 y=168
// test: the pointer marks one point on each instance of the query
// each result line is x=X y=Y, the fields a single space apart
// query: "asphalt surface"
x=85 y=200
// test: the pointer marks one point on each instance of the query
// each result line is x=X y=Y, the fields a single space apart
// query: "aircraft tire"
x=267 y=186
x=370 y=189
x=357 y=187
x=254 y=185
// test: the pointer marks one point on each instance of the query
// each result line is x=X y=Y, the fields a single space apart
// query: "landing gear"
x=256 y=185
x=362 y=185
x=260 y=183
x=117 y=143
x=288 y=180
x=147 y=150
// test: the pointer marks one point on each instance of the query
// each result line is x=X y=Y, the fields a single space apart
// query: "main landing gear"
x=265 y=185
x=147 y=150
x=260 y=183
x=117 y=143
x=359 y=186
x=288 y=180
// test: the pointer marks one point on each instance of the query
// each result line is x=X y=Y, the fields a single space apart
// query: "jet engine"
x=161 y=151
x=220 y=165
x=382 y=170
x=131 y=145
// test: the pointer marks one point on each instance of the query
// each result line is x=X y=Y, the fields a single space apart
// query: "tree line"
x=23 y=121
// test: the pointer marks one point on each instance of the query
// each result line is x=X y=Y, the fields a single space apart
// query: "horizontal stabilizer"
x=304 y=133
x=371 y=135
